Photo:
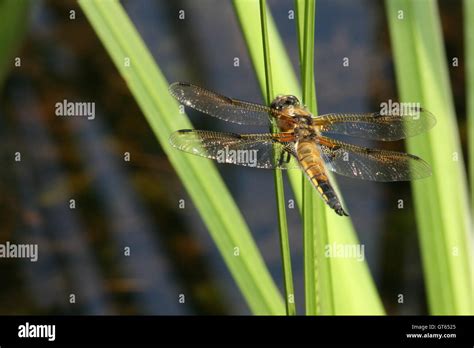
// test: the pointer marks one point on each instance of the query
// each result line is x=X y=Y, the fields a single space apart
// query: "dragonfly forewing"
x=222 y=107
x=377 y=126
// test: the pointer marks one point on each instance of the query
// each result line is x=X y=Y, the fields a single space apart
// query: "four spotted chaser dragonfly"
x=303 y=140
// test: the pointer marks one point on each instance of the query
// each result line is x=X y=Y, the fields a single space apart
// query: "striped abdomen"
x=313 y=167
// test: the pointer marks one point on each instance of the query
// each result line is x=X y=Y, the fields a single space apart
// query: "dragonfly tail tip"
x=340 y=211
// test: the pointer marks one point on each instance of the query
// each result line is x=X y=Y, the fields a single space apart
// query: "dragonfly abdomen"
x=313 y=166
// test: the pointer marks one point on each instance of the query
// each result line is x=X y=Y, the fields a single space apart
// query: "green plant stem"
x=318 y=279
x=266 y=52
x=309 y=217
x=280 y=195
x=200 y=177
x=300 y=6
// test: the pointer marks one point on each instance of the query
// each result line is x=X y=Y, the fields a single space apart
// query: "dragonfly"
x=303 y=141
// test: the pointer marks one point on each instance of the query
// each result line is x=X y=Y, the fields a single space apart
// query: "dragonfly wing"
x=378 y=126
x=251 y=150
x=371 y=164
x=222 y=107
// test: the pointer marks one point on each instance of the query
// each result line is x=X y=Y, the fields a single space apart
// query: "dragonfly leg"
x=285 y=157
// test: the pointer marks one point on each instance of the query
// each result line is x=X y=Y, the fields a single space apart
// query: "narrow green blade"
x=441 y=203
x=279 y=192
x=318 y=279
x=469 y=59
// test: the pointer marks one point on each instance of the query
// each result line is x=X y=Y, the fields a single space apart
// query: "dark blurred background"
x=135 y=204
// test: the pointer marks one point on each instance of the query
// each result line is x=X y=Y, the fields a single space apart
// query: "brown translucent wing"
x=409 y=122
x=251 y=150
x=222 y=107
x=371 y=164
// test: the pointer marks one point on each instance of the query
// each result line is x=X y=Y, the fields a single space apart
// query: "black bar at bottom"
x=418 y=330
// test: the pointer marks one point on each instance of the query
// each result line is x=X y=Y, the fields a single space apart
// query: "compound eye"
x=292 y=100
x=278 y=102
x=295 y=100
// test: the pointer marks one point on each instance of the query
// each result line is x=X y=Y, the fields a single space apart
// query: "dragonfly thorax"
x=304 y=131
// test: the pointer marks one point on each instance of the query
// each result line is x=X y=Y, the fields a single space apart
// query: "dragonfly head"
x=284 y=101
